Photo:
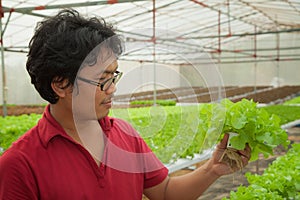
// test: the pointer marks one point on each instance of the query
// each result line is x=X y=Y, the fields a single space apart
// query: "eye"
x=102 y=78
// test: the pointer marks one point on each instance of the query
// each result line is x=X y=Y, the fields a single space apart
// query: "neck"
x=86 y=132
x=63 y=116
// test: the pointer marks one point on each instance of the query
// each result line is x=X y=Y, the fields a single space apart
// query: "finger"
x=248 y=151
x=245 y=160
x=224 y=141
x=248 y=148
x=244 y=153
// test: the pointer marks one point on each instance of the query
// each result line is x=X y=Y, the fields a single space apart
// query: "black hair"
x=61 y=44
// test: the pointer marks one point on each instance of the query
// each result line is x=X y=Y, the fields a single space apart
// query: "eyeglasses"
x=106 y=84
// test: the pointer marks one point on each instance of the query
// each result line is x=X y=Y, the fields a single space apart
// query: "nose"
x=112 y=89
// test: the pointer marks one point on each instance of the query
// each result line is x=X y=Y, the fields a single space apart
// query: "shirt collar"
x=48 y=127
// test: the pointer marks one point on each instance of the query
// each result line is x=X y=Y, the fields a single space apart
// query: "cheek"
x=84 y=102
x=99 y=97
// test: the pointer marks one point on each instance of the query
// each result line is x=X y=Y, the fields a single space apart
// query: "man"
x=76 y=151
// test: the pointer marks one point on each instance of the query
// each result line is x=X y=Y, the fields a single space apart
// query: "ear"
x=61 y=88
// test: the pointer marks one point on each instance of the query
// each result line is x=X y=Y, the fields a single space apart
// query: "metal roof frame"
x=190 y=26
x=223 y=13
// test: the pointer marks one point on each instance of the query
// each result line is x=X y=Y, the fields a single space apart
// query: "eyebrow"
x=109 y=71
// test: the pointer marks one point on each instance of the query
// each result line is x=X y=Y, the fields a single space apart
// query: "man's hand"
x=221 y=168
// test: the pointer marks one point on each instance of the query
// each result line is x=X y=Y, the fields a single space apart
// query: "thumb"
x=224 y=141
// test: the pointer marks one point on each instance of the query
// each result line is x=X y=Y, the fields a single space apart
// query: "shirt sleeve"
x=154 y=178
x=16 y=179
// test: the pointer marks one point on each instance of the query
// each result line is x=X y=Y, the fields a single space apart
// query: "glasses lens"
x=114 y=80
x=107 y=84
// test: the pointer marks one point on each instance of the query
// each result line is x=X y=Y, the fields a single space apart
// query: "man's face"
x=91 y=102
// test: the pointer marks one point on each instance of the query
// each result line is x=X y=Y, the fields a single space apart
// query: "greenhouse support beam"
x=213 y=36
x=255 y=63
x=145 y=12
x=259 y=11
x=244 y=61
x=171 y=61
x=154 y=52
x=278 y=58
x=219 y=54
x=4 y=87
x=216 y=36
x=243 y=34
x=194 y=46
x=192 y=52
x=58 y=6
x=223 y=13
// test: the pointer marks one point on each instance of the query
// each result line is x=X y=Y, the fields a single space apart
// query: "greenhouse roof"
x=175 y=31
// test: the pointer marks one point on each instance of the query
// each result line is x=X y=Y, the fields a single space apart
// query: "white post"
x=4 y=88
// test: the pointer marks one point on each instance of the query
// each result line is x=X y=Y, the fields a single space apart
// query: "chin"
x=102 y=114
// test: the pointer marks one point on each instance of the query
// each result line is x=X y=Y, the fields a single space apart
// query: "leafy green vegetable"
x=281 y=180
x=254 y=126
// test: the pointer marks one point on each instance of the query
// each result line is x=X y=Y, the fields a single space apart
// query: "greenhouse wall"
x=266 y=71
x=240 y=69
x=139 y=77
x=136 y=78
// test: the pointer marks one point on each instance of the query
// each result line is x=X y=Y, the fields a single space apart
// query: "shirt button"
x=101 y=182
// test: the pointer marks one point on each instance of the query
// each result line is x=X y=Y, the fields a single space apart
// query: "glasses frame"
x=109 y=81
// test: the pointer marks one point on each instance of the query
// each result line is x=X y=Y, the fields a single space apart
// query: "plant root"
x=232 y=158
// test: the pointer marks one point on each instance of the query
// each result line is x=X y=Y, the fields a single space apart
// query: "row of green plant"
x=12 y=106
x=295 y=100
x=280 y=181
x=151 y=102
x=12 y=127
x=181 y=131
x=286 y=113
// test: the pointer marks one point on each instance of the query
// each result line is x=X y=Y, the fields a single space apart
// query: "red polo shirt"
x=45 y=163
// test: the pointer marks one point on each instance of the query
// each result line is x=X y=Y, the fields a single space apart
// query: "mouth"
x=107 y=102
